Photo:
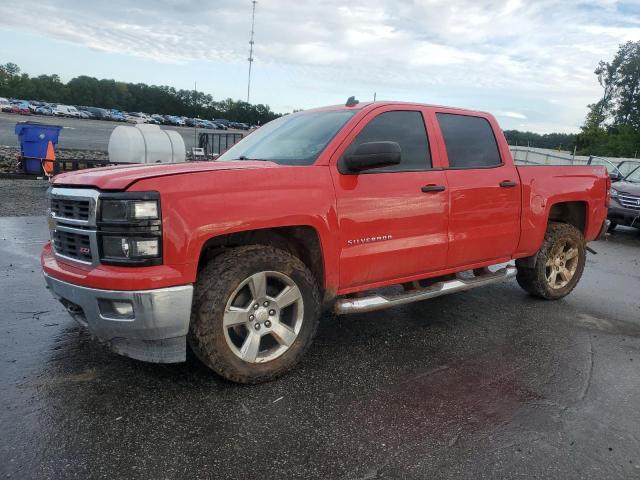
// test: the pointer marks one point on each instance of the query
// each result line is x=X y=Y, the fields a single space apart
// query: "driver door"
x=393 y=221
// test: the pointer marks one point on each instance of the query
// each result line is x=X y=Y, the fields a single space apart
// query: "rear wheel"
x=558 y=265
x=255 y=313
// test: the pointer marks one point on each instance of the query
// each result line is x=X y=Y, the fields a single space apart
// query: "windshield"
x=633 y=177
x=296 y=139
x=627 y=167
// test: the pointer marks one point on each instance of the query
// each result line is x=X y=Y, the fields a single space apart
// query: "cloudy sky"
x=529 y=62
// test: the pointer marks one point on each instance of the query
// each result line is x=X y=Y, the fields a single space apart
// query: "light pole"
x=253 y=21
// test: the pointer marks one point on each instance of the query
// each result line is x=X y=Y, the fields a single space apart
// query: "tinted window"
x=469 y=140
x=405 y=128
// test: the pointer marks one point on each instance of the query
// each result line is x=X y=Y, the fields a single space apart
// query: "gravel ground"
x=19 y=198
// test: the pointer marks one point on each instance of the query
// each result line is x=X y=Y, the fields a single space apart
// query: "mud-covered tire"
x=536 y=279
x=218 y=281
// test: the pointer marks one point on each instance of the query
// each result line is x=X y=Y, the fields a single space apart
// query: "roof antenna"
x=351 y=102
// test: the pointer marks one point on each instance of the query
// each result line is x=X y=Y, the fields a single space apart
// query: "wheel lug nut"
x=252 y=316
x=257 y=326
x=272 y=312
x=266 y=304
x=256 y=306
x=267 y=323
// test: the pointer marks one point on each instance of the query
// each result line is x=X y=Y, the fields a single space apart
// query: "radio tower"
x=253 y=21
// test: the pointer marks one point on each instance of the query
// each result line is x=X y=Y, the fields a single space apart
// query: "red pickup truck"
x=318 y=209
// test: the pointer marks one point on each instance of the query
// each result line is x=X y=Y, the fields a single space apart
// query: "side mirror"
x=372 y=155
x=615 y=176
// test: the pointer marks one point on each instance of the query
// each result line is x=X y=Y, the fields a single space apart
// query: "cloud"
x=535 y=55
x=519 y=116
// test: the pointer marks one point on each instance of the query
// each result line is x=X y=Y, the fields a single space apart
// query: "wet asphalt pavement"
x=484 y=384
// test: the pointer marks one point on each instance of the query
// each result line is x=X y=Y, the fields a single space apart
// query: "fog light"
x=147 y=248
x=117 y=309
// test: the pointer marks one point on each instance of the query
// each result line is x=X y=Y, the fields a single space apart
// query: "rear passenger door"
x=484 y=191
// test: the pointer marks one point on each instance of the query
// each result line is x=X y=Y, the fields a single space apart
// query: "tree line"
x=129 y=97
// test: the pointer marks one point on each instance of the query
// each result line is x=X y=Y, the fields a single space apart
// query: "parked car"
x=221 y=121
x=624 y=206
x=219 y=126
x=65 y=111
x=173 y=120
x=204 y=124
x=130 y=118
x=617 y=170
x=201 y=260
x=44 y=110
x=84 y=114
x=116 y=115
x=20 y=107
x=97 y=113
x=158 y=118
x=5 y=105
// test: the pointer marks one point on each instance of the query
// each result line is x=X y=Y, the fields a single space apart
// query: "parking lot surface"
x=485 y=384
x=85 y=134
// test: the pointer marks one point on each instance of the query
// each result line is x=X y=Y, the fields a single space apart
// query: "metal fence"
x=216 y=143
x=543 y=156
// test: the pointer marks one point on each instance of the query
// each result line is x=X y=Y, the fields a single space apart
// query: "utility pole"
x=253 y=22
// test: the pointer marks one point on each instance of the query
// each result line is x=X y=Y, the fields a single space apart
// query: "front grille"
x=629 y=201
x=71 y=209
x=72 y=245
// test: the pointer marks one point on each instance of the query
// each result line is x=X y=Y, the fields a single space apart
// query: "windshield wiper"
x=244 y=157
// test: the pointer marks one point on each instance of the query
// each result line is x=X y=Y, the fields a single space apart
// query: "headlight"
x=130 y=229
x=124 y=210
x=614 y=193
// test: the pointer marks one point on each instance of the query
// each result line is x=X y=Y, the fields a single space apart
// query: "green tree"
x=612 y=126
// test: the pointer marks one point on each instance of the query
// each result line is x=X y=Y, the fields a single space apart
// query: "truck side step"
x=460 y=283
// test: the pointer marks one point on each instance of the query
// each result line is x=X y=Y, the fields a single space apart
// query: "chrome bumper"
x=155 y=332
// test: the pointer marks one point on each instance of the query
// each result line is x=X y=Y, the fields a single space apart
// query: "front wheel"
x=255 y=313
x=558 y=265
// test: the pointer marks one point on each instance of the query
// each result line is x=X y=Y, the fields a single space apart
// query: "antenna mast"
x=253 y=22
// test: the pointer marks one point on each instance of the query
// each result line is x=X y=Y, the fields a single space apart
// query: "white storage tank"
x=144 y=143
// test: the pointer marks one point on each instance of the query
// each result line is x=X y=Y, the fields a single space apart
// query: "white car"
x=134 y=119
x=66 y=111
x=5 y=105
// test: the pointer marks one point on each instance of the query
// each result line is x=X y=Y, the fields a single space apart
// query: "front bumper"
x=156 y=331
x=623 y=216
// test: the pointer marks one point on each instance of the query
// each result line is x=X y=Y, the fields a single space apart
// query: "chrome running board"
x=379 y=301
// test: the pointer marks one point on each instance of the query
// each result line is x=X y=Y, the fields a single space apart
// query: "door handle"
x=433 y=188
x=508 y=184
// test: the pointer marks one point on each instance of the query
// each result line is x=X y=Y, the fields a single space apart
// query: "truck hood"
x=121 y=177
x=627 y=187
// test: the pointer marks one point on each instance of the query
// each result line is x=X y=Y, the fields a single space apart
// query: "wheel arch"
x=571 y=212
x=303 y=241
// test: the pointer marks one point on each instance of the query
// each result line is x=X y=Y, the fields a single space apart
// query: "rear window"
x=469 y=141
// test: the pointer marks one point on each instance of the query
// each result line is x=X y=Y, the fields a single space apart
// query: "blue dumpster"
x=34 y=138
